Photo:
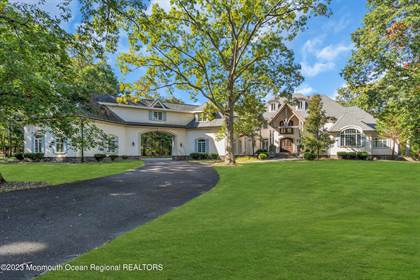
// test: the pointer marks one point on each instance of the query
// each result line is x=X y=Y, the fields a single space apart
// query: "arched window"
x=281 y=123
x=351 y=138
x=290 y=123
x=112 y=144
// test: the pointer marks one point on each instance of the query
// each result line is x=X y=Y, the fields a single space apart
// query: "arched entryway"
x=156 y=144
x=286 y=145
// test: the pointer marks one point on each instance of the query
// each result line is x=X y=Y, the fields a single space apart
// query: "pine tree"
x=315 y=137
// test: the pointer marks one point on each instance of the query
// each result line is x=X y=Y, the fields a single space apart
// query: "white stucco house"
x=190 y=131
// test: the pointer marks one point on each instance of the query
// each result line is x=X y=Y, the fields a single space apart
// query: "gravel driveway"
x=52 y=225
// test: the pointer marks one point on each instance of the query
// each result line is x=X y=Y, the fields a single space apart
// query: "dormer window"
x=157 y=116
x=302 y=105
x=273 y=107
x=202 y=117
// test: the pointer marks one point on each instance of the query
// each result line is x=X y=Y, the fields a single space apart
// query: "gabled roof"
x=346 y=116
x=149 y=103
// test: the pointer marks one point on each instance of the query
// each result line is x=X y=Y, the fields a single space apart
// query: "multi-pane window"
x=59 y=145
x=302 y=105
x=273 y=106
x=202 y=117
x=265 y=144
x=112 y=144
x=380 y=143
x=351 y=138
x=39 y=143
x=201 y=146
x=157 y=116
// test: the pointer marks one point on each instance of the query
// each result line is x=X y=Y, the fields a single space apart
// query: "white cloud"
x=330 y=52
x=311 y=47
x=305 y=90
x=315 y=69
x=164 y=4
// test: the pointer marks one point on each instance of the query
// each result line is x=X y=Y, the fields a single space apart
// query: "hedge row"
x=201 y=156
x=353 y=155
x=31 y=156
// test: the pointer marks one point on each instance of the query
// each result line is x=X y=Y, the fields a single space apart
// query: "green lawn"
x=58 y=173
x=282 y=220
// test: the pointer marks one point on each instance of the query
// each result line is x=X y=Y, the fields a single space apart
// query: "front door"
x=286 y=145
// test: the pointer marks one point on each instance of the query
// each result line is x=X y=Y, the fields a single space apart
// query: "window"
x=112 y=144
x=202 y=117
x=59 y=145
x=38 y=143
x=273 y=106
x=351 y=138
x=380 y=143
x=201 y=146
x=265 y=144
x=157 y=116
x=302 y=105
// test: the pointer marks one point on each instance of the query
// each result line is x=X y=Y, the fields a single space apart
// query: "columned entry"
x=156 y=144
x=286 y=145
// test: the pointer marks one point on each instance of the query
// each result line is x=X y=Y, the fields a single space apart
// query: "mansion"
x=161 y=129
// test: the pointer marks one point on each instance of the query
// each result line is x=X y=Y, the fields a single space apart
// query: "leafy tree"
x=222 y=50
x=315 y=137
x=391 y=126
x=46 y=74
x=383 y=73
x=249 y=118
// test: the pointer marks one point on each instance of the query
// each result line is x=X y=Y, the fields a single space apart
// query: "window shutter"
x=207 y=146
x=33 y=144
x=150 y=115
x=196 y=145
x=164 y=116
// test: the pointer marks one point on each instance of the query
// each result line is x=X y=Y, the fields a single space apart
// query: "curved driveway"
x=52 y=225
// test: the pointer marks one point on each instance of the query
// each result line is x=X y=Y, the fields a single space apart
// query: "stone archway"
x=156 y=144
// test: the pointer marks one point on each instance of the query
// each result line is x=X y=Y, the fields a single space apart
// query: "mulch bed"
x=16 y=186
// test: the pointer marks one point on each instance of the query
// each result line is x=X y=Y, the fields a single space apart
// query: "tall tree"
x=315 y=137
x=383 y=73
x=42 y=79
x=222 y=50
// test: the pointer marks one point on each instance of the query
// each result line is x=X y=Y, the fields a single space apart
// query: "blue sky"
x=322 y=49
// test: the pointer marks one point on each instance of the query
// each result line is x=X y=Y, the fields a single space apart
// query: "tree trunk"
x=2 y=180
x=82 y=136
x=253 y=144
x=393 y=149
x=229 y=156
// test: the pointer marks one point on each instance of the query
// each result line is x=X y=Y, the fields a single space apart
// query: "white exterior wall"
x=368 y=147
x=142 y=115
x=215 y=145
x=129 y=140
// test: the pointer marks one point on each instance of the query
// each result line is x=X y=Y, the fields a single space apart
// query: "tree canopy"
x=222 y=50
x=383 y=73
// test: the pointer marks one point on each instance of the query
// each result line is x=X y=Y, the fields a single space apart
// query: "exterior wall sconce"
x=133 y=144
x=180 y=144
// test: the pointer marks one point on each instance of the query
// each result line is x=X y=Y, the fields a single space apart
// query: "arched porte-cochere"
x=156 y=144
x=286 y=145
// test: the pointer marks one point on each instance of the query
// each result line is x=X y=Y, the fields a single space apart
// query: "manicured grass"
x=58 y=173
x=281 y=220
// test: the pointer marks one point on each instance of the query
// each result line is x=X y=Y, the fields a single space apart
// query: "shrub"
x=113 y=157
x=352 y=155
x=262 y=155
x=34 y=156
x=19 y=156
x=213 y=156
x=259 y=151
x=309 y=155
x=195 y=156
x=362 y=155
x=124 y=157
x=99 y=157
